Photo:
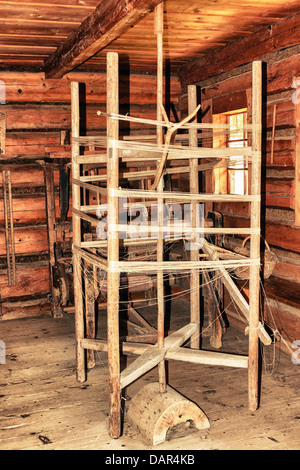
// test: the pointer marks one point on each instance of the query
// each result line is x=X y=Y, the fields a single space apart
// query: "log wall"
x=229 y=91
x=38 y=116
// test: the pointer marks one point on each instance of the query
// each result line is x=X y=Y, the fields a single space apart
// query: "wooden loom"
x=150 y=356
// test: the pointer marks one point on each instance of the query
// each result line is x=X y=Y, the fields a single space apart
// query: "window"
x=233 y=180
x=237 y=169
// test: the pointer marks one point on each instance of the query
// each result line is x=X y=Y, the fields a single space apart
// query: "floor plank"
x=43 y=407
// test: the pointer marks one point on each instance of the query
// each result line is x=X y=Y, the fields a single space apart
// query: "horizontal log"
x=30 y=143
x=25 y=308
x=285 y=115
x=285 y=33
x=211 y=358
x=279 y=235
x=107 y=22
x=58 y=117
x=279 y=79
x=179 y=354
x=32 y=279
x=26 y=87
x=27 y=240
x=287 y=271
x=30 y=210
x=279 y=193
x=26 y=176
x=26 y=210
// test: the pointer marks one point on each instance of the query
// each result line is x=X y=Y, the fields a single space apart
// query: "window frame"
x=221 y=176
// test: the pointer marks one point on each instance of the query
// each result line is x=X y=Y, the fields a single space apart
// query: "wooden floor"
x=43 y=407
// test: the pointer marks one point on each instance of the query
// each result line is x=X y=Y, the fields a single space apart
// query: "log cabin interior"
x=184 y=302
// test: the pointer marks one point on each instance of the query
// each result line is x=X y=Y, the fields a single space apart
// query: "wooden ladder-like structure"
x=149 y=355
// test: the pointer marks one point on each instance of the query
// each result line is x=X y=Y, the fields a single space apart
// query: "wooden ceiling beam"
x=108 y=21
x=285 y=33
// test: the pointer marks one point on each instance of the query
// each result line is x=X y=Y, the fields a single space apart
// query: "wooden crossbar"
x=153 y=355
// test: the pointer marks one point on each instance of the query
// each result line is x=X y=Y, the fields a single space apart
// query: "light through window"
x=238 y=167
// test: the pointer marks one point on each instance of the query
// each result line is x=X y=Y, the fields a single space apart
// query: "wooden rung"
x=86 y=179
x=194 y=356
x=167 y=195
x=86 y=217
x=81 y=159
x=90 y=187
x=207 y=357
x=166 y=266
x=95 y=260
x=181 y=152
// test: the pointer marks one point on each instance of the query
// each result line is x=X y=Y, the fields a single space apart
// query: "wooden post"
x=297 y=154
x=2 y=133
x=9 y=228
x=255 y=238
x=89 y=291
x=113 y=278
x=78 y=291
x=56 y=309
x=159 y=12
x=194 y=253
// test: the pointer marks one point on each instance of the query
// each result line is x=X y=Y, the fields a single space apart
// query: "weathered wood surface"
x=32 y=32
x=284 y=34
x=41 y=399
x=37 y=110
x=278 y=187
x=107 y=22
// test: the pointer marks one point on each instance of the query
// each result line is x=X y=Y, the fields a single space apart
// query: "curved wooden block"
x=153 y=413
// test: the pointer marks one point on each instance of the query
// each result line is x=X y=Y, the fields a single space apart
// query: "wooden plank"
x=167 y=195
x=194 y=253
x=153 y=355
x=159 y=32
x=297 y=152
x=255 y=211
x=30 y=239
x=145 y=362
x=208 y=357
x=108 y=21
x=113 y=278
x=29 y=88
x=76 y=221
x=256 y=45
x=181 y=336
x=33 y=279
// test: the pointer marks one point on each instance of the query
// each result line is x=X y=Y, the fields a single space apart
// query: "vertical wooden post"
x=253 y=372
x=51 y=219
x=78 y=291
x=194 y=253
x=158 y=28
x=89 y=292
x=113 y=278
x=9 y=228
x=208 y=117
x=297 y=154
x=12 y=230
x=2 y=133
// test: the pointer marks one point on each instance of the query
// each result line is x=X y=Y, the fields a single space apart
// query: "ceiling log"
x=285 y=33
x=108 y=21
